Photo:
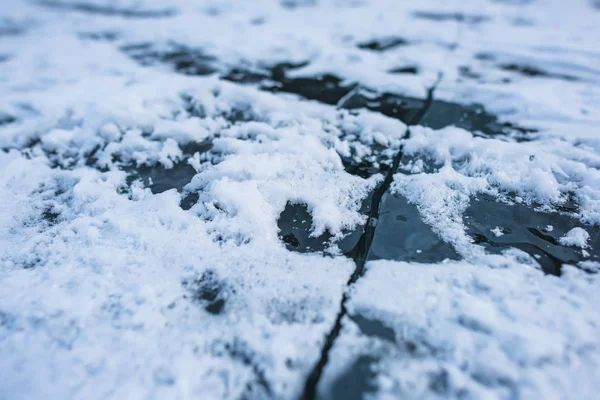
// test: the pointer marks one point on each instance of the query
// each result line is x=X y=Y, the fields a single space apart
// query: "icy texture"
x=457 y=330
x=463 y=165
x=151 y=153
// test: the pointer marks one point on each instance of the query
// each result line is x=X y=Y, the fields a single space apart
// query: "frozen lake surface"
x=299 y=199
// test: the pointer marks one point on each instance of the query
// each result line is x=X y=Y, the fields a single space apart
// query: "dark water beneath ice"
x=526 y=229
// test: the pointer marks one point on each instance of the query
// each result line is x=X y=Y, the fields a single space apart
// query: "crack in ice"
x=361 y=252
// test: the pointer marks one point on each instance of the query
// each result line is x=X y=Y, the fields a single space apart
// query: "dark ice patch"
x=107 y=11
x=364 y=169
x=456 y=17
x=357 y=382
x=106 y=36
x=192 y=147
x=377 y=161
x=293 y=4
x=242 y=352
x=409 y=69
x=247 y=76
x=524 y=69
x=383 y=44
x=180 y=58
x=473 y=118
x=9 y=27
x=367 y=166
x=295 y=224
x=159 y=179
x=50 y=215
x=32 y=261
x=402 y=235
x=400 y=107
x=209 y=291
x=332 y=90
x=525 y=229
x=258 y=21
x=188 y=200
x=374 y=328
x=6 y=119
x=440 y=383
x=485 y=56
x=327 y=88
x=531 y=71
x=466 y=72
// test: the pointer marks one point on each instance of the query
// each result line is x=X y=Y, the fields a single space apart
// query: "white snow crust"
x=575 y=237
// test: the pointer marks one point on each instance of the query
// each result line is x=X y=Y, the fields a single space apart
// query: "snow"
x=100 y=293
x=461 y=330
x=575 y=237
x=497 y=231
x=465 y=165
x=111 y=290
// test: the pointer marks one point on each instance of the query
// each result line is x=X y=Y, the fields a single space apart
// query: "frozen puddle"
x=401 y=235
x=159 y=179
x=498 y=226
x=330 y=89
x=299 y=199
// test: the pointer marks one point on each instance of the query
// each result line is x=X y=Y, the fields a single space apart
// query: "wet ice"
x=223 y=200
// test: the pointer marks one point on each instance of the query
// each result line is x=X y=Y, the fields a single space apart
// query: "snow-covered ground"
x=154 y=155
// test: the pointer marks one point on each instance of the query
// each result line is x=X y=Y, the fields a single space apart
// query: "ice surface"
x=458 y=330
x=277 y=199
x=526 y=229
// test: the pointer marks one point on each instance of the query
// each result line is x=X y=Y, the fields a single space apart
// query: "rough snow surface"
x=148 y=150
x=575 y=237
x=458 y=330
